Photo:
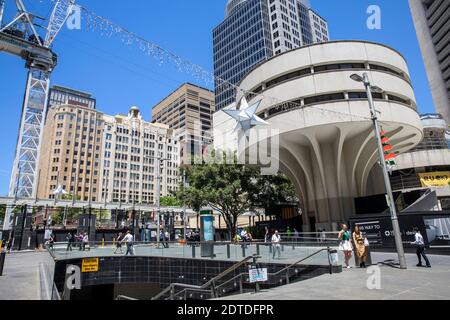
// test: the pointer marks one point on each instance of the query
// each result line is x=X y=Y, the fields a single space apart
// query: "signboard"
x=89 y=265
x=435 y=179
x=380 y=233
x=373 y=231
x=208 y=228
x=258 y=275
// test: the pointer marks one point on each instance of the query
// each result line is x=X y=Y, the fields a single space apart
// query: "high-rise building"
x=131 y=148
x=432 y=23
x=256 y=30
x=188 y=110
x=61 y=95
x=71 y=152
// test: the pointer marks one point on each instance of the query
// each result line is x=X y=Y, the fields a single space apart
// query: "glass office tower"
x=256 y=30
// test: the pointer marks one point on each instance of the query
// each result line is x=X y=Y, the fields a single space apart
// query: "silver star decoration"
x=246 y=117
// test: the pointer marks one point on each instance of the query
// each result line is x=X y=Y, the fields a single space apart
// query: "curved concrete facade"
x=327 y=146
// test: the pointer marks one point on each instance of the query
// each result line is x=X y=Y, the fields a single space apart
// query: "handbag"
x=366 y=242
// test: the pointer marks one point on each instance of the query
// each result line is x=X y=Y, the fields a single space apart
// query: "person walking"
x=276 y=239
x=85 y=241
x=79 y=238
x=360 y=246
x=266 y=235
x=167 y=238
x=296 y=235
x=128 y=239
x=70 y=240
x=345 y=245
x=119 y=243
x=420 y=245
x=289 y=233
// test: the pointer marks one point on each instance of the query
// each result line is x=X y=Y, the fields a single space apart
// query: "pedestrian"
x=323 y=235
x=128 y=239
x=345 y=244
x=119 y=243
x=266 y=235
x=359 y=242
x=420 y=245
x=289 y=232
x=167 y=238
x=9 y=245
x=296 y=234
x=85 y=241
x=70 y=239
x=79 y=238
x=276 y=239
x=50 y=242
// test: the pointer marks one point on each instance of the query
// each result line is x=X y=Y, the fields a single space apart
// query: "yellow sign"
x=435 y=179
x=89 y=265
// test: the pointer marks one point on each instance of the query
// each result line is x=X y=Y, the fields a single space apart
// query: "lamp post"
x=158 y=194
x=390 y=198
x=184 y=205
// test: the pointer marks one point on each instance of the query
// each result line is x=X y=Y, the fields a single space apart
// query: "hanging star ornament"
x=246 y=117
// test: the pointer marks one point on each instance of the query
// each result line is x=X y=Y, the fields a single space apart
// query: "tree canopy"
x=233 y=189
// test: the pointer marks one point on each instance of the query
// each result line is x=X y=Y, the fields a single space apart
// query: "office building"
x=71 y=152
x=188 y=111
x=256 y=30
x=59 y=95
x=131 y=148
x=432 y=23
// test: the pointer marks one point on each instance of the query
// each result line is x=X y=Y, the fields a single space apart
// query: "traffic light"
x=389 y=155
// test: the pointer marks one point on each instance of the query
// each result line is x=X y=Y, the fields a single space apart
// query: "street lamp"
x=397 y=235
x=158 y=193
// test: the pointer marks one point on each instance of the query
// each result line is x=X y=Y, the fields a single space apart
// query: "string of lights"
x=107 y=28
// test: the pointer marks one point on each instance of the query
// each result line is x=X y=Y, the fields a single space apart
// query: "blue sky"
x=120 y=76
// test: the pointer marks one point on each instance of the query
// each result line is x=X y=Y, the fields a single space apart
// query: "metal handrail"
x=121 y=297
x=282 y=270
x=207 y=284
x=214 y=288
x=296 y=263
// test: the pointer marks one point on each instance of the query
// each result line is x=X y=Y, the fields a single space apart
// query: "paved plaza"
x=412 y=284
x=22 y=280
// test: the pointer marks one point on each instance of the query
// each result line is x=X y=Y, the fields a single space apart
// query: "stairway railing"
x=211 y=288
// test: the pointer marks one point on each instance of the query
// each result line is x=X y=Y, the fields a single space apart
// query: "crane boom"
x=59 y=16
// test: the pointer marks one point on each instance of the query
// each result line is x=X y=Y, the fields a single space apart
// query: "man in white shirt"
x=276 y=239
x=128 y=239
x=420 y=244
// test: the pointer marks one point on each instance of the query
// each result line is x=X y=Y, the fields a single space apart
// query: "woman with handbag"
x=360 y=243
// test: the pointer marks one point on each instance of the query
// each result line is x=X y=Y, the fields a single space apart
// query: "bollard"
x=228 y=251
x=114 y=242
x=293 y=246
x=193 y=251
x=243 y=251
x=2 y=261
x=282 y=247
x=103 y=243
x=270 y=248
x=257 y=250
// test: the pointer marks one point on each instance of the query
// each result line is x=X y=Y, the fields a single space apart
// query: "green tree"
x=2 y=212
x=232 y=189
x=169 y=202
